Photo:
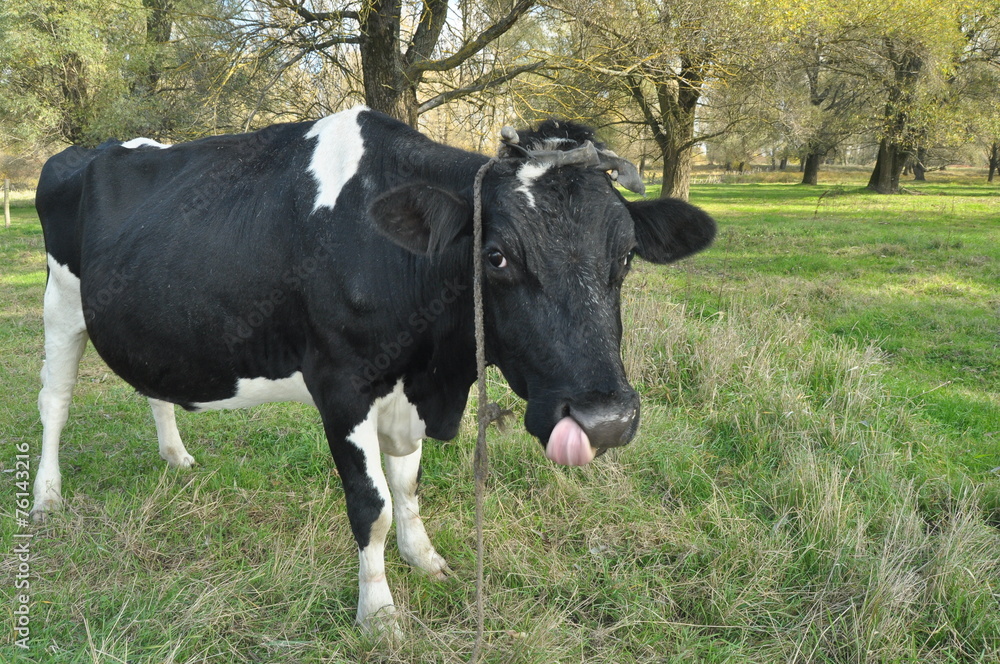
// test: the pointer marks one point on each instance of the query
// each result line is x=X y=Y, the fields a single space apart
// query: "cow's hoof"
x=42 y=508
x=427 y=560
x=383 y=624
x=181 y=460
x=439 y=569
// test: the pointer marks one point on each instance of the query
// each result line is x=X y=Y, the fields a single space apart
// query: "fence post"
x=6 y=202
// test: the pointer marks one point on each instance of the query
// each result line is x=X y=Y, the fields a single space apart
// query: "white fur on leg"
x=411 y=537
x=400 y=428
x=65 y=340
x=376 y=610
x=172 y=450
x=375 y=605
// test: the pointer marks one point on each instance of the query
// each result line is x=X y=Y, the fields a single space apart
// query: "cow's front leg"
x=369 y=509
x=411 y=537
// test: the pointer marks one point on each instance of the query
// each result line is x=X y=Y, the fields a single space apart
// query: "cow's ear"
x=668 y=229
x=420 y=217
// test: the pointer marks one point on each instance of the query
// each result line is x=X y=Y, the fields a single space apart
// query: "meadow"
x=816 y=477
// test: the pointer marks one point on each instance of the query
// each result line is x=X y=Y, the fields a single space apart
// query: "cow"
x=330 y=262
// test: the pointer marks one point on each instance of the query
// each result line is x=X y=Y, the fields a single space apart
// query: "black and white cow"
x=330 y=263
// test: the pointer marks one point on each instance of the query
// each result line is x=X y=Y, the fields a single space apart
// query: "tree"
x=665 y=56
x=396 y=47
x=977 y=84
x=54 y=61
x=82 y=71
x=913 y=48
x=900 y=132
x=822 y=100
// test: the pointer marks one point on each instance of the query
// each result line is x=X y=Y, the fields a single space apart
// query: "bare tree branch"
x=432 y=21
x=320 y=17
x=277 y=75
x=484 y=82
x=469 y=49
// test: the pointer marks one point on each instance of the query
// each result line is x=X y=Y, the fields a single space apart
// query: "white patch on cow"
x=255 y=391
x=400 y=428
x=374 y=597
x=338 y=152
x=554 y=143
x=527 y=175
x=144 y=142
x=65 y=340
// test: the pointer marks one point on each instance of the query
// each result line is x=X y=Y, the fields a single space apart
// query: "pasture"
x=816 y=477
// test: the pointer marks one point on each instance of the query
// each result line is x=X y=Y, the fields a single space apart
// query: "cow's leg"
x=171 y=448
x=369 y=509
x=401 y=431
x=65 y=340
x=411 y=538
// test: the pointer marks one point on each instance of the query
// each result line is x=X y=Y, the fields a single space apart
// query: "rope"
x=486 y=413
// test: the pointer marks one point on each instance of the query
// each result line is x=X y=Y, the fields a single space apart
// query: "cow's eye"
x=627 y=260
x=497 y=259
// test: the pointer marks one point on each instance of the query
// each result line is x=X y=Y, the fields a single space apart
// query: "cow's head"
x=558 y=240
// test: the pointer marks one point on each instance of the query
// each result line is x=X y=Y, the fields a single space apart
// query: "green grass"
x=916 y=274
x=815 y=479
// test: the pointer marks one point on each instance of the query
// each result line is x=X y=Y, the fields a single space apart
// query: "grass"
x=815 y=479
x=916 y=274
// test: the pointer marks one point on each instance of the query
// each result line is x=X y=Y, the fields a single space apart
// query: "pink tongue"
x=569 y=445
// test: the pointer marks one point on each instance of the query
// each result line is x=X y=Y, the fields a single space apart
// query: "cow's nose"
x=607 y=424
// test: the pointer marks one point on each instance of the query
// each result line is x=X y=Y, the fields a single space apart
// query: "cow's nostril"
x=607 y=427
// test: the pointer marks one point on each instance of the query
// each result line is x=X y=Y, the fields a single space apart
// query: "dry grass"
x=772 y=509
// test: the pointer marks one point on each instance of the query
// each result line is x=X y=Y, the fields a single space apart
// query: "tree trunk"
x=895 y=146
x=888 y=168
x=676 y=173
x=783 y=164
x=670 y=118
x=6 y=202
x=382 y=65
x=159 y=25
x=677 y=106
x=919 y=169
x=810 y=168
x=994 y=160
x=392 y=74
x=76 y=100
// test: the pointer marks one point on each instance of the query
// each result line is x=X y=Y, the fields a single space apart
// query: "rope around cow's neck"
x=485 y=413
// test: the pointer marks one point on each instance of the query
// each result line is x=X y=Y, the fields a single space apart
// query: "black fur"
x=556 y=134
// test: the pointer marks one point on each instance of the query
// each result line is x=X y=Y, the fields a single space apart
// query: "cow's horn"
x=585 y=155
x=509 y=137
x=622 y=171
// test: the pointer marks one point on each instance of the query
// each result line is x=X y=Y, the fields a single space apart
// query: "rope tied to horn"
x=586 y=156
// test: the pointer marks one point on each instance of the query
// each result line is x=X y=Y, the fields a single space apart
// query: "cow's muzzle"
x=589 y=428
